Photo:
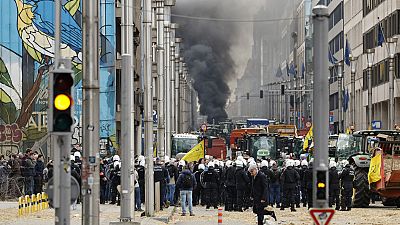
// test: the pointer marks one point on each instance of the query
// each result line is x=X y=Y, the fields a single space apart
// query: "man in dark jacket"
x=259 y=193
x=308 y=184
x=334 y=188
x=289 y=179
x=186 y=183
x=161 y=175
x=173 y=173
x=38 y=179
x=198 y=190
x=275 y=186
x=347 y=177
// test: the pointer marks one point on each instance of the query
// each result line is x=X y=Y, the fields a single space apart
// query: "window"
x=369 y=5
x=333 y=101
x=336 y=16
x=336 y=43
x=380 y=73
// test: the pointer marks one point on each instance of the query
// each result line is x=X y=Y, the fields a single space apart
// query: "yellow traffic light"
x=62 y=102
x=321 y=185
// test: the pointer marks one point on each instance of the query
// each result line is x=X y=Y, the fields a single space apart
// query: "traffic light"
x=261 y=94
x=321 y=185
x=282 y=89
x=248 y=95
x=60 y=105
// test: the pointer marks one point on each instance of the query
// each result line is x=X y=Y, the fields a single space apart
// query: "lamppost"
x=392 y=43
x=353 y=66
x=340 y=94
x=370 y=61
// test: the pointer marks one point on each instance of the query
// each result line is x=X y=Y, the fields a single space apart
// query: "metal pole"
x=340 y=93
x=178 y=71
x=161 y=78
x=172 y=82
x=352 y=96
x=127 y=113
x=178 y=94
x=369 y=122
x=63 y=212
x=321 y=100
x=392 y=121
x=90 y=108
x=168 y=92
x=148 y=109
x=281 y=99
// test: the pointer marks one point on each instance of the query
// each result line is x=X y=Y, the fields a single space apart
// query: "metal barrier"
x=34 y=203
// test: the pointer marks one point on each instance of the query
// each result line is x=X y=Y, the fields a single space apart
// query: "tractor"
x=358 y=149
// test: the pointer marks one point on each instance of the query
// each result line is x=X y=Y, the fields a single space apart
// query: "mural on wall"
x=26 y=58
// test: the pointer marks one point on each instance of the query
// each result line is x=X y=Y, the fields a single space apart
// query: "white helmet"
x=228 y=163
x=207 y=157
x=239 y=163
x=296 y=162
x=216 y=162
x=142 y=162
x=251 y=159
x=77 y=154
x=304 y=163
x=117 y=163
x=210 y=164
x=202 y=167
x=290 y=162
x=166 y=159
x=271 y=163
x=244 y=162
x=221 y=163
x=344 y=162
x=172 y=160
x=264 y=163
x=332 y=164
x=140 y=158
x=116 y=158
x=240 y=158
x=182 y=163
x=303 y=157
x=72 y=157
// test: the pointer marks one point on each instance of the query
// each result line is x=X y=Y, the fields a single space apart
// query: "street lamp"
x=370 y=61
x=340 y=94
x=353 y=66
x=392 y=44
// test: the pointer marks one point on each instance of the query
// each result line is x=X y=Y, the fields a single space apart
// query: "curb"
x=164 y=219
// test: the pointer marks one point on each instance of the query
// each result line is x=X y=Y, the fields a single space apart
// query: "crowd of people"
x=235 y=184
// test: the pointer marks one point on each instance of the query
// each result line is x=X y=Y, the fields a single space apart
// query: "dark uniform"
x=290 y=179
x=275 y=187
x=308 y=184
x=242 y=183
x=298 y=186
x=303 y=186
x=198 y=190
x=347 y=177
x=334 y=188
x=230 y=188
x=210 y=181
x=161 y=175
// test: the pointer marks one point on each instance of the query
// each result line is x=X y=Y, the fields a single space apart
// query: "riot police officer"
x=334 y=188
x=242 y=183
x=230 y=186
x=347 y=177
x=289 y=179
x=210 y=181
x=308 y=184
x=161 y=175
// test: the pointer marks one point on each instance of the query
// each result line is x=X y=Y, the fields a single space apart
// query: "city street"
x=110 y=213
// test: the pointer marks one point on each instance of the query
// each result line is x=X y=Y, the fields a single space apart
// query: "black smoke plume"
x=207 y=47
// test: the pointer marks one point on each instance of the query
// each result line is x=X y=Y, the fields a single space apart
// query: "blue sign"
x=376 y=124
x=331 y=119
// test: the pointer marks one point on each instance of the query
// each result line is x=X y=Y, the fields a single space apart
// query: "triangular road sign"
x=322 y=216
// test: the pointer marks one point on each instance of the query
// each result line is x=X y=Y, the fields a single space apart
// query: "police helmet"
x=202 y=167
x=182 y=163
x=210 y=164
x=304 y=163
x=332 y=164
x=297 y=162
x=239 y=163
x=264 y=163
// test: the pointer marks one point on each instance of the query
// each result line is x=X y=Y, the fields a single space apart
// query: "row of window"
x=380 y=72
x=333 y=101
x=336 y=43
x=369 y=5
x=336 y=16
x=390 y=27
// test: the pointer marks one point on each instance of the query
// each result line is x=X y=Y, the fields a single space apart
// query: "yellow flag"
x=309 y=137
x=374 y=173
x=196 y=153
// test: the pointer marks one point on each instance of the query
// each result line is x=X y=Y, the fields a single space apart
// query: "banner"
x=374 y=173
x=196 y=153
x=309 y=137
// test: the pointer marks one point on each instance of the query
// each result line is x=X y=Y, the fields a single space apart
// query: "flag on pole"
x=309 y=137
x=347 y=53
x=374 y=173
x=346 y=99
x=278 y=72
x=287 y=69
x=332 y=58
x=381 y=37
x=196 y=153
x=303 y=70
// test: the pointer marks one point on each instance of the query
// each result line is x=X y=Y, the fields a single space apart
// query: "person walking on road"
x=186 y=183
x=347 y=177
x=290 y=179
x=259 y=193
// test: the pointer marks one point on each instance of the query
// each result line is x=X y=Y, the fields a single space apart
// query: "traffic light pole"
x=321 y=112
x=91 y=110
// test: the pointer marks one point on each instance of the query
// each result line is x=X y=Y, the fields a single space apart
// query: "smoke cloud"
x=216 y=52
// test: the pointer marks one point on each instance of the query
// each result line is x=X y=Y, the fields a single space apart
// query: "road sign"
x=376 y=124
x=331 y=119
x=74 y=190
x=322 y=216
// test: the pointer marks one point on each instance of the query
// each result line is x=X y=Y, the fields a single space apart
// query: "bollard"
x=220 y=215
x=27 y=204
x=20 y=206
x=44 y=200
x=39 y=201
x=33 y=203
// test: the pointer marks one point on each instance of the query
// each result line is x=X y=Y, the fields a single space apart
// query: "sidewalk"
x=108 y=213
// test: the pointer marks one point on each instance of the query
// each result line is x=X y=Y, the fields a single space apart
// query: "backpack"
x=187 y=181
